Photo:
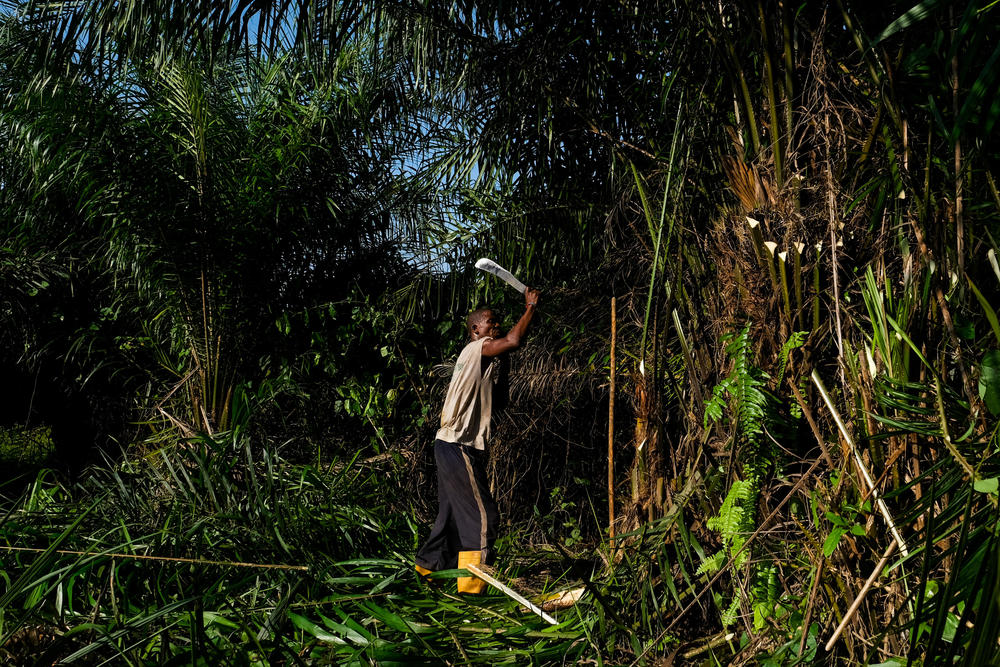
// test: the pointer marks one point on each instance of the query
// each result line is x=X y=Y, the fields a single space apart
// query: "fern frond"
x=729 y=616
x=735 y=518
x=764 y=594
x=794 y=341
x=712 y=564
x=714 y=406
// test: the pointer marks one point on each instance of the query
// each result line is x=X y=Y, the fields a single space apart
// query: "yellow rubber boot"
x=423 y=574
x=470 y=585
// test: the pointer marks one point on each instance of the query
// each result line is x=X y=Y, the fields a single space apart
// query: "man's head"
x=483 y=323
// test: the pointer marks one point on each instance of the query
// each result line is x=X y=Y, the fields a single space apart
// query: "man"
x=466 y=524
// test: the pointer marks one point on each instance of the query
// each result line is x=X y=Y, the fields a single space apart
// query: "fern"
x=764 y=594
x=716 y=405
x=735 y=518
x=794 y=341
x=743 y=396
x=711 y=565
x=745 y=386
x=729 y=616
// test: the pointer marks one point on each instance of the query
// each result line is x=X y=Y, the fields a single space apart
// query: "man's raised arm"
x=512 y=340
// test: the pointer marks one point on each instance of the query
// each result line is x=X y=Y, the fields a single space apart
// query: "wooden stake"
x=611 y=428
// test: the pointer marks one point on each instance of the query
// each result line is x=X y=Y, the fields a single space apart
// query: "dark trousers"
x=467 y=516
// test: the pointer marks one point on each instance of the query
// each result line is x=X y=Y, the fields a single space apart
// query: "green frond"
x=794 y=341
x=731 y=614
x=764 y=594
x=712 y=564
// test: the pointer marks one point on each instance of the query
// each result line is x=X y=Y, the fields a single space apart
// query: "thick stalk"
x=797 y=277
x=659 y=234
x=785 y=296
x=815 y=298
x=956 y=137
x=763 y=254
x=786 y=35
x=611 y=428
x=207 y=375
x=831 y=203
x=772 y=102
x=741 y=82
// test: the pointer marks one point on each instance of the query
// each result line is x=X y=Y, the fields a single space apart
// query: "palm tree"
x=212 y=201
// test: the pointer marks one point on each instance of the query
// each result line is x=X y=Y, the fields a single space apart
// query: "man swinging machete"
x=466 y=525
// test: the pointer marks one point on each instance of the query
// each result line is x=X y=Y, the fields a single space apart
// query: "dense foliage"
x=236 y=248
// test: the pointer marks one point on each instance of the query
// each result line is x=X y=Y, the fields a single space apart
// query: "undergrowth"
x=744 y=401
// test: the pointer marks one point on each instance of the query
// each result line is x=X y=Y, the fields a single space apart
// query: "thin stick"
x=812 y=423
x=197 y=561
x=809 y=605
x=862 y=468
x=611 y=428
x=861 y=595
x=712 y=642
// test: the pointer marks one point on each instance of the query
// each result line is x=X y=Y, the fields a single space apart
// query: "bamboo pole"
x=611 y=427
x=860 y=464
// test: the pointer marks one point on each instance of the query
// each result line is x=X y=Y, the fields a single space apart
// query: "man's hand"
x=531 y=297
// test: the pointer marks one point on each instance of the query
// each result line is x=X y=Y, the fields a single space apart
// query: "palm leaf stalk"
x=764 y=256
x=671 y=167
x=797 y=249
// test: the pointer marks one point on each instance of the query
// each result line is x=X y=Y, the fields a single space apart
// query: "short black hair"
x=475 y=316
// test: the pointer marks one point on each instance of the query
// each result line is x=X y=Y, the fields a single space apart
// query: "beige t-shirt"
x=468 y=406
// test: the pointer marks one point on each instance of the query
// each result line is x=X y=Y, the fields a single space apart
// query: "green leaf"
x=965 y=328
x=987 y=485
x=991 y=314
x=989 y=381
x=832 y=540
x=316 y=631
x=915 y=14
